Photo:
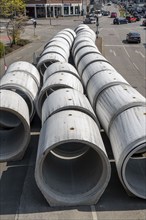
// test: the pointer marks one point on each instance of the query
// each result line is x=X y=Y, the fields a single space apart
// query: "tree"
x=14 y=10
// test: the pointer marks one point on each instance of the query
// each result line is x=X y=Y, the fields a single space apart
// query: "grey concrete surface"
x=20 y=198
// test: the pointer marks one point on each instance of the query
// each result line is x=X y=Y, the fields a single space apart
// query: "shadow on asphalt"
x=20 y=194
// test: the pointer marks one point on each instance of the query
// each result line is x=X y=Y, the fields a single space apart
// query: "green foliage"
x=12 y=7
x=2 y=49
x=22 y=42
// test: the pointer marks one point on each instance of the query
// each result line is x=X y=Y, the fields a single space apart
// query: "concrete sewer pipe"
x=121 y=111
x=23 y=66
x=72 y=167
x=81 y=27
x=56 y=53
x=23 y=84
x=54 y=82
x=14 y=126
x=66 y=99
x=128 y=139
x=60 y=67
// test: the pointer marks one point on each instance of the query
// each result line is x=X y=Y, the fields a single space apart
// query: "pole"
x=5 y=65
x=50 y=14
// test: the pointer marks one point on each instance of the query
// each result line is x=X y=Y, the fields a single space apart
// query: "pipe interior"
x=70 y=150
x=46 y=64
x=12 y=140
x=135 y=172
x=8 y=120
x=75 y=176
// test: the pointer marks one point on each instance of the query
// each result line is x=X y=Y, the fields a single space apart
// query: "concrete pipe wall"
x=66 y=99
x=54 y=82
x=128 y=138
x=64 y=173
x=94 y=68
x=82 y=45
x=58 y=54
x=23 y=84
x=81 y=27
x=59 y=44
x=108 y=108
x=72 y=32
x=64 y=36
x=82 y=52
x=59 y=67
x=79 y=40
x=101 y=81
x=23 y=66
x=85 y=59
x=14 y=126
x=47 y=60
x=55 y=49
x=57 y=41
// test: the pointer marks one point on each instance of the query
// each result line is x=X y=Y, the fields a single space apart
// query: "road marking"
x=126 y=51
x=136 y=66
x=138 y=52
x=35 y=133
x=112 y=51
x=93 y=211
x=121 y=45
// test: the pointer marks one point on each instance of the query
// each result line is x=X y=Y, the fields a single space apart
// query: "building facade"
x=55 y=8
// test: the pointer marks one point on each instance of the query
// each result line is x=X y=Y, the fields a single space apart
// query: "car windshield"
x=135 y=34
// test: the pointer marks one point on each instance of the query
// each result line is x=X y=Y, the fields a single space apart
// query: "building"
x=55 y=8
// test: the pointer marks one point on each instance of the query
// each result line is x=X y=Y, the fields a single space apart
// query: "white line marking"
x=126 y=51
x=138 y=52
x=135 y=66
x=35 y=133
x=93 y=211
x=112 y=51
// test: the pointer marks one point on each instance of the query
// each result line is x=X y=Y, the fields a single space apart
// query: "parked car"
x=133 y=37
x=120 y=21
x=113 y=14
x=131 y=19
x=89 y=20
x=105 y=13
x=144 y=23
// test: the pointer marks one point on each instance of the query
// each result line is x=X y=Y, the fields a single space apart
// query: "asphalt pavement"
x=20 y=197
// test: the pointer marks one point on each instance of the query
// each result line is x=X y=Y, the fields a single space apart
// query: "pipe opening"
x=12 y=141
x=70 y=150
x=72 y=177
x=135 y=172
x=8 y=120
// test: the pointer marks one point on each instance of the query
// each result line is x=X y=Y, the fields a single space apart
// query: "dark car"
x=144 y=23
x=113 y=14
x=133 y=37
x=105 y=13
x=131 y=19
x=120 y=21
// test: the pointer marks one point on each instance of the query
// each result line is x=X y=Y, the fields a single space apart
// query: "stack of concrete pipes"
x=19 y=87
x=120 y=109
x=72 y=167
x=57 y=49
